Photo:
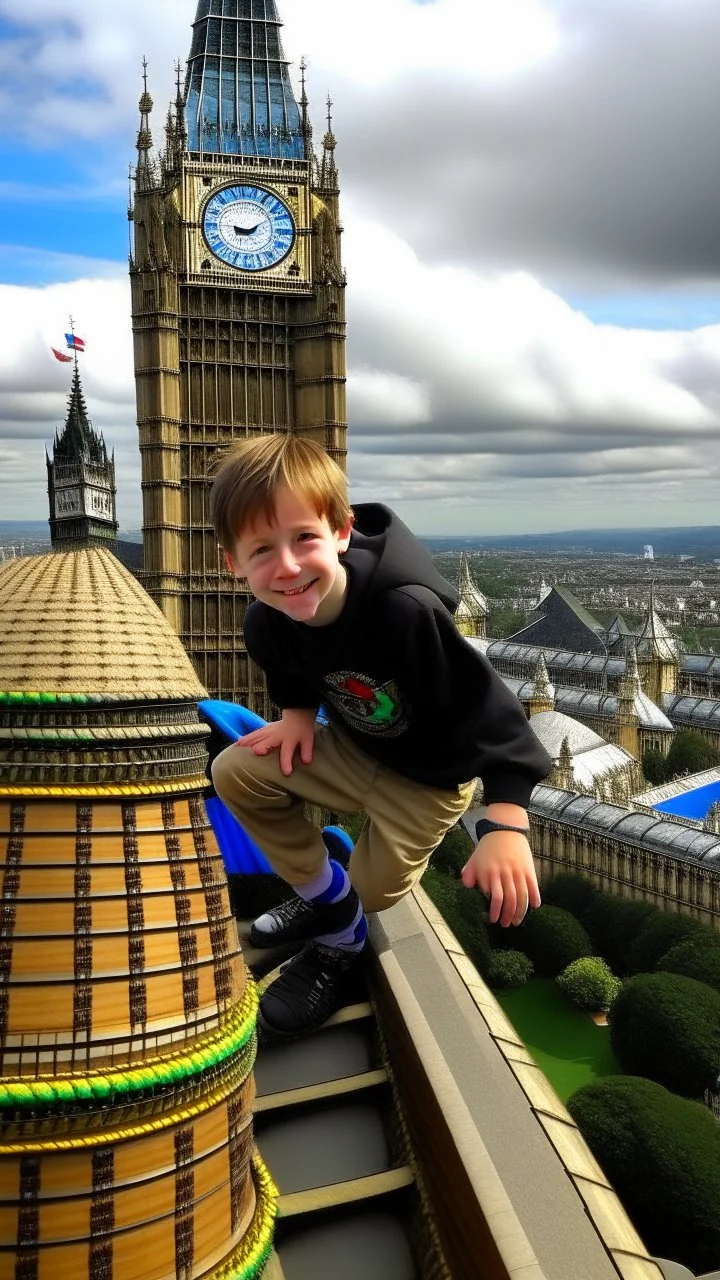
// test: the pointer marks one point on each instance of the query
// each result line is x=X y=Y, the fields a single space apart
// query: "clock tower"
x=81 y=481
x=238 y=310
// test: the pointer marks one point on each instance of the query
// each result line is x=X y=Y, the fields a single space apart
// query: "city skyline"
x=530 y=246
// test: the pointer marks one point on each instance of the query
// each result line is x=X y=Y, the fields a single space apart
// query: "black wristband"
x=485 y=825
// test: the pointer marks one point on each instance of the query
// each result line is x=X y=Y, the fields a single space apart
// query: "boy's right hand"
x=295 y=731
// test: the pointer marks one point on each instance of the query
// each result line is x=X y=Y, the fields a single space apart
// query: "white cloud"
x=459 y=385
x=478 y=144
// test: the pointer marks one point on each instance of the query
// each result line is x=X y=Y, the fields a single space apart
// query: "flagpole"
x=72 y=330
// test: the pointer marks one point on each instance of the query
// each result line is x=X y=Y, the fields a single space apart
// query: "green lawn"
x=566 y=1044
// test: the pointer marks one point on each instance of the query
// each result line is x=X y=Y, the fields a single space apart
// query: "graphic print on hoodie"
x=368 y=706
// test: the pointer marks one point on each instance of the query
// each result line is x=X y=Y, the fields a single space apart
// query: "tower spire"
x=239 y=98
x=305 y=112
x=145 y=175
x=328 y=168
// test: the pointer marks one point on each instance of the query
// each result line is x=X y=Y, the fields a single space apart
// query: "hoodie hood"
x=384 y=554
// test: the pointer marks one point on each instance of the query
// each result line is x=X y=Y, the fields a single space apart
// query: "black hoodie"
x=395 y=675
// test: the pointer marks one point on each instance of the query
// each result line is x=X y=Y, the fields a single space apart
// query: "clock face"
x=248 y=228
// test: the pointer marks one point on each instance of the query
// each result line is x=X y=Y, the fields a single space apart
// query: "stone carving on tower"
x=81 y=481
x=238 y=304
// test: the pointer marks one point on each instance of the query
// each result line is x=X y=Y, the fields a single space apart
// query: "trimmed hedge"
x=453 y=852
x=589 y=983
x=667 y=1027
x=571 y=892
x=697 y=958
x=614 y=924
x=655 y=939
x=462 y=909
x=662 y=1155
x=509 y=969
x=552 y=938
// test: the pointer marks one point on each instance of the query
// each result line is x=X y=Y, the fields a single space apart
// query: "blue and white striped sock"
x=332 y=884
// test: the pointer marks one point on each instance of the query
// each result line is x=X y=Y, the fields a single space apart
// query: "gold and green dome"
x=127 y=1018
x=95 y=687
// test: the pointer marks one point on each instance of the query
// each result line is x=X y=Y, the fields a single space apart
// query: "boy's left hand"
x=502 y=868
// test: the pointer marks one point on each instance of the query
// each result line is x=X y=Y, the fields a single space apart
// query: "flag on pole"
x=60 y=355
x=75 y=343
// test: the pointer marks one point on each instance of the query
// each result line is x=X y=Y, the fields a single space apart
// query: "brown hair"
x=253 y=471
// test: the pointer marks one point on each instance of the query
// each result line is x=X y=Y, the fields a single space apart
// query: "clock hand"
x=246 y=231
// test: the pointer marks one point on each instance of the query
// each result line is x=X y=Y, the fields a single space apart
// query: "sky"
x=530 y=195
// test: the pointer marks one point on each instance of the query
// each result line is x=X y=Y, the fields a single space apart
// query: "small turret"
x=81 y=481
x=328 y=167
x=305 y=123
x=543 y=693
x=562 y=775
x=658 y=654
x=472 y=611
x=145 y=172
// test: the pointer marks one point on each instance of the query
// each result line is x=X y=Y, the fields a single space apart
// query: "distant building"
x=81 y=481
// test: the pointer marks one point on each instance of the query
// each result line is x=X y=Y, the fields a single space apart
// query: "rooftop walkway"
x=414 y=1137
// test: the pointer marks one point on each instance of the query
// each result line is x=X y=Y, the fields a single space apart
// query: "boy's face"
x=292 y=564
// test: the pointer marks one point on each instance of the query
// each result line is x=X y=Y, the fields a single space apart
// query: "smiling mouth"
x=299 y=591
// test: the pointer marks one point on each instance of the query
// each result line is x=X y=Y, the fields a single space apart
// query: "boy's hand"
x=502 y=868
x=296 y=731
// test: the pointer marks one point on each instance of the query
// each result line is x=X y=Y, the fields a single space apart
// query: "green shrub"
x=690 y=753
x=571 y=892
x=661 y=932
x=453 y=852
x=552 y=938
x=662 y=1155
x=697 y=958
x=667 y=1027
x=614 y=924
x=654 y=766
x=589 y=983
x=353 y=823
x=462 y=909
x=509 y=969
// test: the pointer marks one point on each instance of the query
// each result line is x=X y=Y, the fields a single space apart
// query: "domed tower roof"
x=127 y=1024
x=78 y=625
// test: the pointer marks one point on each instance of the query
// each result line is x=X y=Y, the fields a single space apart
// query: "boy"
x=350 y=613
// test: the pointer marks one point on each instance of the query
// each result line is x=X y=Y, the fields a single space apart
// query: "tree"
x=662 y=1155
x=571 y=892
x=589 y=983
x=614 y=924
x=690 y=753
x=697 y=957
x=667 y=1027
x=654 y=766
x=661 y=931
x=509 y=969
x=552 y=938
x=462 y=909
x=453 y=852
x=505 y=622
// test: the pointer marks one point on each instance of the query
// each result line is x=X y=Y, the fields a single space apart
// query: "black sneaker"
x=308 y=990
x=297 y=920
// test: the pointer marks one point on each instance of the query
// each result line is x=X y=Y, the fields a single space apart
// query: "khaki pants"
x=405 y=820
